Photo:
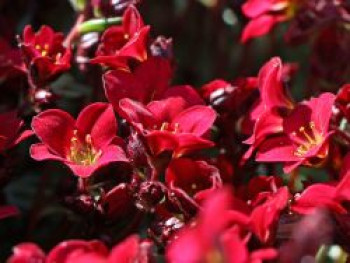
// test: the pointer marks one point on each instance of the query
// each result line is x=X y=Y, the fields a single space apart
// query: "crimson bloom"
x=149 y=81
x=121 y=43
x=132 y=249
x=264 y=217
x=10 y=131
x=27 y=252
x=83 y=145
x=197 y=178
x=273 y=103
x=264 y=15
x=169 y=124
x=44 y=54
x=305 y=135
x=323 y=195
x=212 y=239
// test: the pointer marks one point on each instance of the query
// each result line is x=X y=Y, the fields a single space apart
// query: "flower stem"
x=98 y=25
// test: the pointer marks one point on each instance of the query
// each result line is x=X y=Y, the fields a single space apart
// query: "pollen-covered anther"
x=174 y=128
x=44 y=50
x=83 y=152
x=307 y=138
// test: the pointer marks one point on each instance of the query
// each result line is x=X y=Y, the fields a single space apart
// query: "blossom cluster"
x=159 y=172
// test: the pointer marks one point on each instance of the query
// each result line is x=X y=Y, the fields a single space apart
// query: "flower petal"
x=110 y=154
x=258 y=27
x=40 y=152
x=99 y=121
x=279 y=149
x=253 y=8
x=55 y=129
x=196 y=119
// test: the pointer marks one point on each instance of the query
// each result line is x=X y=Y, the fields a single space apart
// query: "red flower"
x=10 y=131
x=264 y=217
x=75 y=250
x=264 y=15
x=119 y=44
x=169 y=125
x=196 y=178
x=272 y=104
x=149 y=81
x=83 y=145
x=131 y=249
x=305 y=135
x=27 y=252
x=258 y=188
x=323 y=195
x=44 y=54
x=212 y=239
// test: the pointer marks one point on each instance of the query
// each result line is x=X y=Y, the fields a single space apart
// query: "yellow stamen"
x=83 y=152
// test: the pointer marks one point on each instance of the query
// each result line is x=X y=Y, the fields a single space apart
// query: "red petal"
x=234 y=249
x=261 y=255
x=63 y=251
x=137 y=114
x=258 y=27
x=189 y=142
x=28 y=34
x=253 y=8
x=136 y=47
x=196 y=120
x=188 y=93
x=279 y=149
x=166 y=110
x=99 y=121
x=271 y=88
x=317 y=195
x=147 y=83
x=40 y=152
x=55 y=129
x=27 y=252
x=132 y=20
x=23 y=136
x=269 y=123
x=119 y=84
x=191 y=176
x=322 y=110
x=159 y=141
x=45 y=35
x=342 y=192
x=111 y=153
x=126 y=251
x=264 y=216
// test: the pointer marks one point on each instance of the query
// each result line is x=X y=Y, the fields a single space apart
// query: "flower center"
x=83 y=152
x=174 y=128
x=44 y=50
x=307 y=138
